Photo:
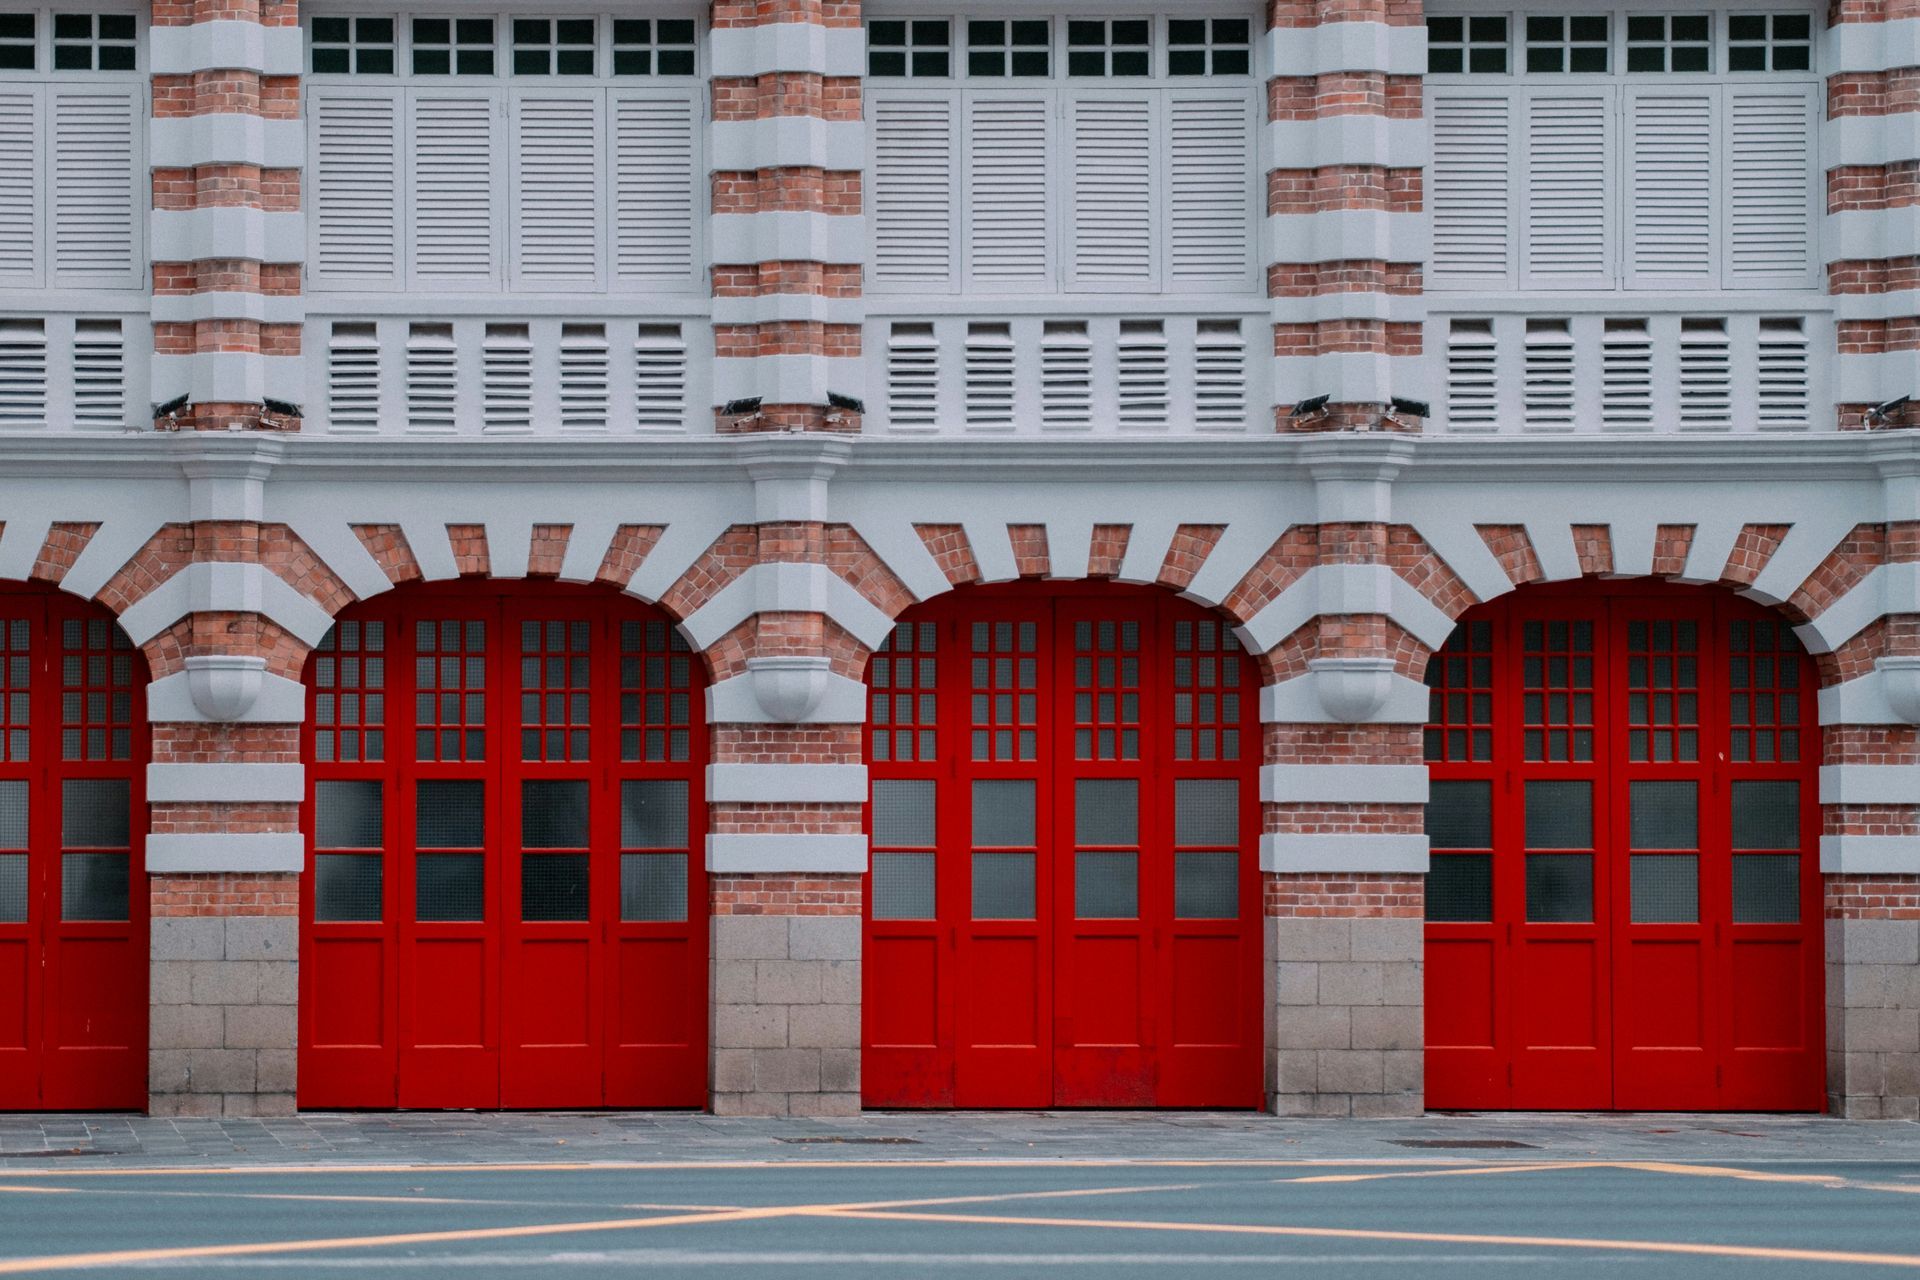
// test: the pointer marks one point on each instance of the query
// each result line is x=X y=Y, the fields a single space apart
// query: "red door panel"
x=1063 y=908
x=74 y=745
x=1623 y=909
x=504 y=906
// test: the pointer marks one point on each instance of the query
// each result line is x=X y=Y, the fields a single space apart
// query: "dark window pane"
x=575 y=30
x=1490 y=29
x=1766 y=814
x=1690 y=59
x=431 y=30
x=1130 y=31
x=72 y=57
x=1643 y=27
x=1540 y=28
x=93 y=886
x=676 y=62
x=1127 y=63
x=553 y=814
x=653 y=886
x=1792 y=58
x=575 y=62
x=1547 y=59
x=1082 y=31
x=347 y=815
x=1587 y=59
x=1231 y=62
x=1766 y=888
x=633 y=31
x=13 y=814
x=1666 y=889
x=1689 y=26
x=431 y=62
x=1460 y=887
x=1647 y=59
x=1106 y=886
x=1206 y=811
x=1232 y=30
x=881 y=63
x=375 y=62
x=1187 y=62
x=1588 y=29
x=346 y=887
x=94 y=813
x=632 y=62
x=1489 y=61
x=1664 y=815
x=903 y=813
x=989 y=63
x=934 y=63
x=1031 y=32
x=450 y=814
x=475 y=31
x=887 y=33
x=374 y=31
x=17 y=57
x=1559 y=815
x=16 y=26
x=1747 y=58
x=930 y=32
x=1003 y=813
x=116 y=57
x=676 y=31
x=1460 y=814
x=1105 y=811
x=553 y=886
x=529 y=62
x=1446 y=30
x=72 y=26
x=903 y=886
x=1086 y=64
x=1792 y=26
x=1560 y=888
x=1030 y=62
x=449 y=887
x=1747 y=26
x=13 y=888
x=653 y=813
x=1206 y=886
x=530 y=31
x=476 y=62
x=1187 y=31
x=1003 y=886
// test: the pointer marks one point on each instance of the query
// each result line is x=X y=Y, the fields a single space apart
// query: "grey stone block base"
x=224 y=1029
x=785 y=1015
x=1346 y=1009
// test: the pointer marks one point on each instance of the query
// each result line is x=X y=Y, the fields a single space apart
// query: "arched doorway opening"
x=504 y=903
x=1064 y=900
x=74 y=747
x=1624 y=906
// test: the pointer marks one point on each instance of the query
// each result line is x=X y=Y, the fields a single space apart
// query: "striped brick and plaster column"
x=1346 y=231
x=787 y=234
x=1872 y=239
x=225 y=145
x=1344 y=640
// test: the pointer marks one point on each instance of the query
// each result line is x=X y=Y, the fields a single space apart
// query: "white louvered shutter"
x=654 y=190
x=1769 y=188
x=1008 y=190
x=556 y=203
x=454 y=180
x=1209 y=234
x=1669 y=151
x=353 y=162
x=1471 y=185
x=1111 y=175
x=1567 y=150
x=95 y=221
x=20 y=241
x=914 y=140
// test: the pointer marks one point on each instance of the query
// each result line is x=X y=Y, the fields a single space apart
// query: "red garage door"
x=1064 y=900
x=73 y=890
x=502 y=906
x=1624 y=904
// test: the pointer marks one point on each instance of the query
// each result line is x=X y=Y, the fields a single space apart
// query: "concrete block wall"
x=1873 y=997
x=786 y=1012
x=1348 y=1038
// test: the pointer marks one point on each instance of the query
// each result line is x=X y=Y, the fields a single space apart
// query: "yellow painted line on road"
x=1762 y=1252
x=690 y=1166
x=1476 y=1171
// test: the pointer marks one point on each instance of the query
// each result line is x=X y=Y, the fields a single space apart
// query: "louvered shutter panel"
x=556 y=189
x=354 y=164
x=20 y=242
x=1769 y=187
x=454 y=177
x=1567 y=149
x=97 y=208
x=655 y=181
x=1008 y=190
x=1472 y=189
x=1210 y=230
x=914 y=140
x=1670 y=147
x=1110 y=172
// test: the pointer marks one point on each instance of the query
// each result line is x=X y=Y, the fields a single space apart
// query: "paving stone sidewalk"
x=78 y=1141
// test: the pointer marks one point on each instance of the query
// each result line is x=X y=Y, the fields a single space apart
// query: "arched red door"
x=1624 y=906
x=504 y=899
x=74 y=745
x=1063 y=906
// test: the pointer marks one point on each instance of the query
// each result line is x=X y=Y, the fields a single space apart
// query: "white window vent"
x=583 y=377
x=913 y=372
x=1548 y=394
x=432 y=372
x=506 y=378
x=1066 y=375
x=23 y=373
x=99 y=376
x=660 y=378
x=1706 y=375
x=1472 y=398
x=353 y=378
x=1626 y=376
x=1219 y=376
x=1142 y=351
x=989 y=375
x=1784 y=373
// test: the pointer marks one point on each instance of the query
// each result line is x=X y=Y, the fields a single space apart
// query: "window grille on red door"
x=505 y=898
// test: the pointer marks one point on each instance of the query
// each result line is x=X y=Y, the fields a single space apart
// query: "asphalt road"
x=1381 y=1216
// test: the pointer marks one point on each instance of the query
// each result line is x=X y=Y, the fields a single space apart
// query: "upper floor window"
x=62 y=40
x=1018 y=48
x=923 y=47
x=1623 y=150
x=1083 y=48
x=1121 y=47
x=1209 y=46
x=503 y=153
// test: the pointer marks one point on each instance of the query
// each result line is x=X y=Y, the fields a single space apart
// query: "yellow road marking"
x=1409 y=1237
x=687 y=1166
x=1451 y=1173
